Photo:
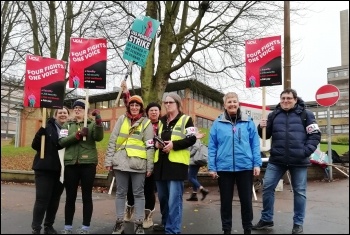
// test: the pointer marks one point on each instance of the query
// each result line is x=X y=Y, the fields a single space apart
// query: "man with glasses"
x=291 y=146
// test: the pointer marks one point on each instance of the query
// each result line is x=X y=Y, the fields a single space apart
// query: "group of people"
x=150 y=153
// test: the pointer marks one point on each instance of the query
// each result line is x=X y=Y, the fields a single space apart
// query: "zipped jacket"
x=233 y=147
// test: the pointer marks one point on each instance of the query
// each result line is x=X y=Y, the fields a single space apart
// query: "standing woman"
x=130 y=154
x=47 y=171
x=193 y=170
x=80 y=160
x=171 y=162
x=234 y=157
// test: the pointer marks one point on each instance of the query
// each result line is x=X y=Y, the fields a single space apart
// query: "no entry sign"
x=327 y=95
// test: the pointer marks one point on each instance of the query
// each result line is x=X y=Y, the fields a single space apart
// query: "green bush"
x=342 y=139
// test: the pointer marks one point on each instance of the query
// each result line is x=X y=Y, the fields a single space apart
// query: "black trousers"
x=244 y=182
x=73 y=174
x=48 y=191
x=149 y=191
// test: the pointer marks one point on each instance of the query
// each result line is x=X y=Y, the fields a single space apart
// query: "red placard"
x=263 y=62
x=88 y=63
x=327 y=95
x=44 y=84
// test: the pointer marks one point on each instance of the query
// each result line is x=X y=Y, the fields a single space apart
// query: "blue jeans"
x=170 y=199
x=192 y=177
x=272 y=176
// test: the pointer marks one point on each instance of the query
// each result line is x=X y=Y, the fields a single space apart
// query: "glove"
x=41 y=131
x=82 y=133
x=96 y=114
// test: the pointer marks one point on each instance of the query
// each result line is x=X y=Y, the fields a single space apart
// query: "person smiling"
x=130 y=154
x=234 y=158
x=80 y=160
x=291 y=146
x=48 y=188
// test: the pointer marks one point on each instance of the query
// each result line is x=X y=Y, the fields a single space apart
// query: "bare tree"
x=201 y=40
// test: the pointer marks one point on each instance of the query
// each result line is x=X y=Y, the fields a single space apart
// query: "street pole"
x=287 y=56
x=329 y=138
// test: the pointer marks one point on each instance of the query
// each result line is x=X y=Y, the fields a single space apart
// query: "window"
x=106 y=125
x=204 y=123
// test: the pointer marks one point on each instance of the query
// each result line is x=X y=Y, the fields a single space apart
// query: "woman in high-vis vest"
x=130 y=154
x=171 y=162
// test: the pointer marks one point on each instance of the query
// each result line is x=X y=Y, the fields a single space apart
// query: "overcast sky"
x=317 y=48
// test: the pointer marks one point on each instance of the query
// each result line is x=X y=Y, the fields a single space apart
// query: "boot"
x=138 y=227
x=204 y=193
x=129 y=213
x=118 y=227
x=193 y=197
x=148 y=221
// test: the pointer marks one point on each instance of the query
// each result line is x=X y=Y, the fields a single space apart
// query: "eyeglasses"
x=287 y=98
x=168 y=102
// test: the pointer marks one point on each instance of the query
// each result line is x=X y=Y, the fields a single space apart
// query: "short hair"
x=230 y=95
x=290 y=90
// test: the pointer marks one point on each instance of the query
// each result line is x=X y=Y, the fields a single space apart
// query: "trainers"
x=36 y=231
x=129 y=213
x=66 y=231
x=118 y=227
x=82 y=231
x=138 y=227
x=204 y=193
x=262 y=225
x=297 y=229
x=49 y=230
x=158 y=227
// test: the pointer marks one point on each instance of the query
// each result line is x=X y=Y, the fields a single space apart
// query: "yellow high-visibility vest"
x=178 y=133
x=134 y=145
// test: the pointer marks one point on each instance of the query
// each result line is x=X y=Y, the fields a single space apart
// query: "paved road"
x=327 y=211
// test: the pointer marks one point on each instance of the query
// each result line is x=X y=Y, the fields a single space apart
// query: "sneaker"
x=66 y=231
x=227 y=231
x=82 y=231
x=129 y=213
x=138 y=227
x=297 y=229
x=204 y=193
x=36 y=231
x=118 y=227
x=158 y=227
x=49 y=230
x=262 y=225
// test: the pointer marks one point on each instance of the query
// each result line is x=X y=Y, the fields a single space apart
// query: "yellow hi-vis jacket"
x=178 y=133
x=133 y=144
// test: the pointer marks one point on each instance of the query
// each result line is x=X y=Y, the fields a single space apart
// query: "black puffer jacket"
x=290 y=144
x=51 y=161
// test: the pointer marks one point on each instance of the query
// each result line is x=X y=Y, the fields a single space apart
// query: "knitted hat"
x=79 y=102
x=137 y=99
x=152 y=104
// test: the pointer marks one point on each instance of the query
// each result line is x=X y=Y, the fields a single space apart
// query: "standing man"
x=293 y=141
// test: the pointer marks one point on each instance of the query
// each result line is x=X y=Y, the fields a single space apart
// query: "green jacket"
x=79 y=151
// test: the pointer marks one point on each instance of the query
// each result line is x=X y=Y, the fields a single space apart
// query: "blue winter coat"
x=231 y=150
x=290 y=144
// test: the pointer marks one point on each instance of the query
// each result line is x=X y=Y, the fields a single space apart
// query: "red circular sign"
x=327 y=95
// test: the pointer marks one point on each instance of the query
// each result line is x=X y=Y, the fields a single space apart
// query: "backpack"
x=201 y=158
x=303 y=117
